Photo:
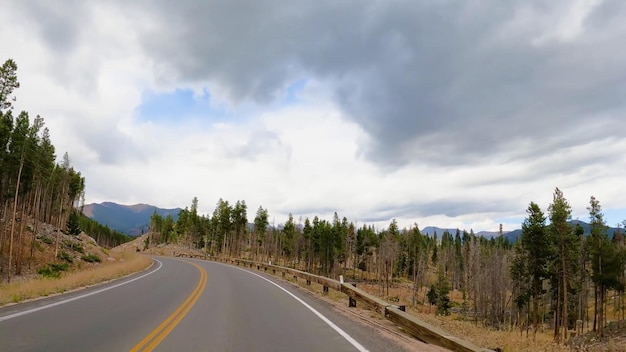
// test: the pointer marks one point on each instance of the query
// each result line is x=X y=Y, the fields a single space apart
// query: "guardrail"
x=412 y=325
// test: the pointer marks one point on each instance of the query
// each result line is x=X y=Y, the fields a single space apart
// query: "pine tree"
x=8 y=83
x=535 y=250
x=565 y=262
x=607 y=262
x=260 y=228
x=73 y=226
x=443 y=294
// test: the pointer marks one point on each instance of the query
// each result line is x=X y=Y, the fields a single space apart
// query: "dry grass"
x=508 y=341
x=124 y=264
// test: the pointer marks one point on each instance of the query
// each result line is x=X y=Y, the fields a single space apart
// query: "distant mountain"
x=513 y=235
x=490 y=234
x=430 y=231
x=128 y=219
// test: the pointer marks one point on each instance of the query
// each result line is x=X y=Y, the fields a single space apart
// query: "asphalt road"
x=186 y=305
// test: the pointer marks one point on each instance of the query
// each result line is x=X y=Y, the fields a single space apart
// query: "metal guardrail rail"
x=412 y=325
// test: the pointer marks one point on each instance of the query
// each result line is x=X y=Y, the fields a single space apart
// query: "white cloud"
x=569 y=23
x=459 y=123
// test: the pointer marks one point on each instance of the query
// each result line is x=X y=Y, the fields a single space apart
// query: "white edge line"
x=33 y=310
x=344 y=334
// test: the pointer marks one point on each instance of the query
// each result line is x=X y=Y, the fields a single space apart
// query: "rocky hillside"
x=36 y=255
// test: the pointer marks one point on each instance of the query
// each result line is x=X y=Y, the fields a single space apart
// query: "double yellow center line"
x=161 y=331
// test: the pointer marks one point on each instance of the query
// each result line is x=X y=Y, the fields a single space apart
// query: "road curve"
x=186 y=305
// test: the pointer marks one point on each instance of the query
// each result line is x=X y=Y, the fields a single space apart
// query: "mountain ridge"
x=430 y=231
x=135 y=220
x=132 y=220
x=513 y=235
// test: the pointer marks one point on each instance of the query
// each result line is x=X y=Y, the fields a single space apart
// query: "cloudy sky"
x=443 y=113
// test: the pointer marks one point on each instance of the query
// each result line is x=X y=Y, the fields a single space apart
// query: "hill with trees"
x=133 y=220
x=35 y=189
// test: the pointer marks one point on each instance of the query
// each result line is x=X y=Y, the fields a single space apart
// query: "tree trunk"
x=565 y=317
x=601 y=311
x=557 y=315
x=535 y=307
x=36 y=206
x=20 y=241
x=595 y=307
x=17 y=189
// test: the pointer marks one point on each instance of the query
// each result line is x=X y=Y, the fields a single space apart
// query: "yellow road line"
x=161 y=331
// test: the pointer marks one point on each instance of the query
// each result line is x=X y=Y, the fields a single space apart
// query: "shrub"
x=46 y=240
x=59 y=267
x=74 y=246
x=47 y=272
x=66 y=256
x=53 y=270
x=91 y=258
x=393 y=299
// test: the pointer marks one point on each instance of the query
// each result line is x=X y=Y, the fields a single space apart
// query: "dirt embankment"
x=79 y=262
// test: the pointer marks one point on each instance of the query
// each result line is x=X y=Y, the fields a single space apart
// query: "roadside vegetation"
x=43 y=245
x=36 y=190
x=556 y=281
x=45 y=285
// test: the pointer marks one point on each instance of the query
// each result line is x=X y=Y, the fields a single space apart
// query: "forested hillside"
x=552 y=273
x=34 y=188
x=132 y=220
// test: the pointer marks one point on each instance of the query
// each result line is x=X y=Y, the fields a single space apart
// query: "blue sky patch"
x=612 y=217
x=179 y=105
x=293 y=90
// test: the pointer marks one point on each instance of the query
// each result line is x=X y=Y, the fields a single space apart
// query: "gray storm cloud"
x=441 y=83
x=536 y=87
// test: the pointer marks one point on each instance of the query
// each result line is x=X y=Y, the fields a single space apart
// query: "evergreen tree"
x=607 y=262
x=289 y=236
x=8 y=83
x=432 y=295
x=564 y=263
x=73 y=226
x=443 y=294
x=535 y=249
x=260 y=228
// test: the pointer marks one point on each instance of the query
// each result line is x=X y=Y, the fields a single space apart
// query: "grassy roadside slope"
x=35 y=287
x=80 y=262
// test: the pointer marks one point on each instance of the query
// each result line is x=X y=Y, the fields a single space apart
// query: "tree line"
x=549 y=274
x=555 y=261
x=102 y=234
x=33 y=186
